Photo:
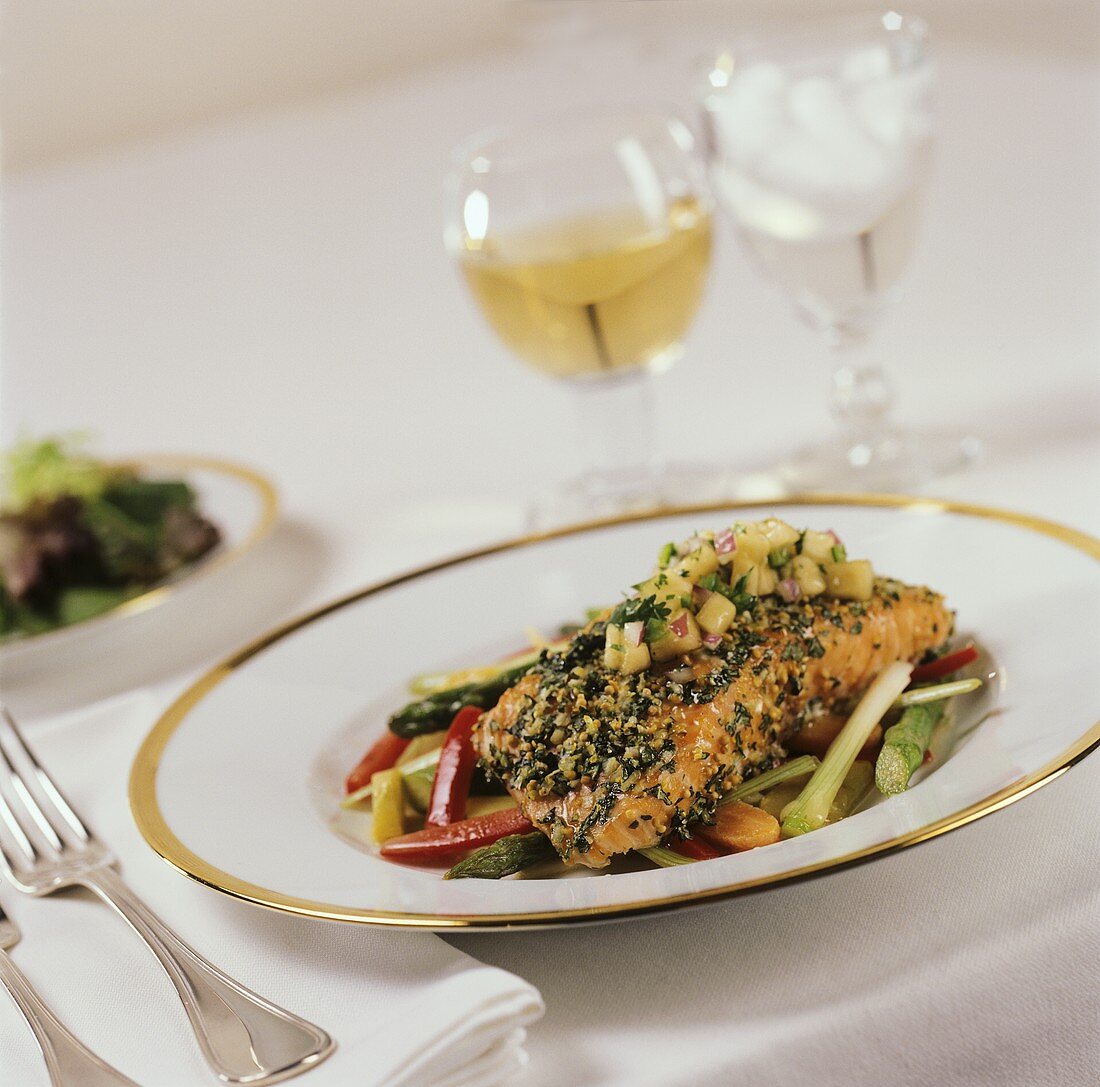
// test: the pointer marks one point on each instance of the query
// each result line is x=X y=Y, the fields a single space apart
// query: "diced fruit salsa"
x=699 y=586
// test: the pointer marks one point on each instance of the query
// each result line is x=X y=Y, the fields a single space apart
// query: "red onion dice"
x=712 y=641
x=633 y=633
x=789 y=589
x=699 y=595
x=725 y=543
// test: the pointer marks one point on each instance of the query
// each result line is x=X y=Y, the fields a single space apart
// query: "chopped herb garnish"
x=735 y=594
x=638 y=609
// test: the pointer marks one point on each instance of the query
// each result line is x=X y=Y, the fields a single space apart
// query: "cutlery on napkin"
x=47 y=848
x=404 y=1007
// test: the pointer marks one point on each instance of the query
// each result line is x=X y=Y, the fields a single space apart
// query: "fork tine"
x=10 y=730
x=30 y=805
x=22 y=843
x=32 y=834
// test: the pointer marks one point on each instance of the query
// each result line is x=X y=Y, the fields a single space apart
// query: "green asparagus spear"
x=504 y=858
x=904 y=745
x=438 y=709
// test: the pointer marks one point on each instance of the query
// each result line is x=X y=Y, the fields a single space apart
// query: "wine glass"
x=585 y=241
x=819 y=143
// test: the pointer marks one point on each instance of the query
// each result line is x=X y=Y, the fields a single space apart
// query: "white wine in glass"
x=596 y=294
x=585 y=242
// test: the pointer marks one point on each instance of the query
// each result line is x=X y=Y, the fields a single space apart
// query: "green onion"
x=779 y=557
x=804 y=764
x=810 y=809
x=664 y=858
x=937 y=692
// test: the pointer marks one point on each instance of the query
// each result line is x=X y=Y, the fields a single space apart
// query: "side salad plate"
x=88 y=546
x=568 y=731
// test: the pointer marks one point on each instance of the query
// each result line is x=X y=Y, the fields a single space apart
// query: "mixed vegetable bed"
x=425 y=769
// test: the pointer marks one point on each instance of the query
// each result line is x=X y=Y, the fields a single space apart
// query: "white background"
x=271 y=286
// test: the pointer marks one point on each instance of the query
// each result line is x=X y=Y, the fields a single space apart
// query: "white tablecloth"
x=405 y=1009
x=273 y=289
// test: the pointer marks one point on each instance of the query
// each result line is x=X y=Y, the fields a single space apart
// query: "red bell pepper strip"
x=451 y=786
x=443 y=845
x=696 y=849
x=944 y=666
x=381 y=756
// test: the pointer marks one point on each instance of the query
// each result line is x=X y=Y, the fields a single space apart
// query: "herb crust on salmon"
x=605 y=762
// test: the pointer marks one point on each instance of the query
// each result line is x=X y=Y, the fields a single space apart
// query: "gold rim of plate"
x=154 y=826
x=269 y=514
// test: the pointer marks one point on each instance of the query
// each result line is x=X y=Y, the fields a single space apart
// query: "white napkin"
x=404 y=1007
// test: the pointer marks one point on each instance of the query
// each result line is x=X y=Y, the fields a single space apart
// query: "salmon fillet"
x=604 y=763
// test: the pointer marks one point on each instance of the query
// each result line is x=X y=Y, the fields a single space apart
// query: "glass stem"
x=861 y=395
x=616 y=439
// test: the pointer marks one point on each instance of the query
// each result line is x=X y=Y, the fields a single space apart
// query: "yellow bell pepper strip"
x=388 y=805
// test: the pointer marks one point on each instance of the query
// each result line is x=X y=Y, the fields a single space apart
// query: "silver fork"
x=70 y=1062
x=44 y=846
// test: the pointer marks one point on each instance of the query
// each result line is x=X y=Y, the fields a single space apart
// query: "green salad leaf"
x=47 y=469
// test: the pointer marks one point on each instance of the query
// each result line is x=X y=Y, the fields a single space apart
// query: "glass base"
x=890 y=461
x=895 y=461
x=593 y=497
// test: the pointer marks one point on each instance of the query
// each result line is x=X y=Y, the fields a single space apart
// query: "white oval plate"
x=241 y=502
x=238 y=784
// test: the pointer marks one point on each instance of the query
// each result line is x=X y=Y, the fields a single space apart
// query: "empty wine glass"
x=585 y=241
x=820 y=143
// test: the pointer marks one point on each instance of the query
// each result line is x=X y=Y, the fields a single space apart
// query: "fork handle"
x=245 y=1038
x=70 y=1062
